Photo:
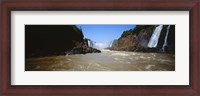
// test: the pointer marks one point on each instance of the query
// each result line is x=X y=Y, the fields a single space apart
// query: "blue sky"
x=103 y=34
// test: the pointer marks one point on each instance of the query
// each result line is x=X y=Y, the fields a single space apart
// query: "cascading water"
x=111 y=44
x=92 y=43
x=166 y=36
x=89 y=43
x=154 y=37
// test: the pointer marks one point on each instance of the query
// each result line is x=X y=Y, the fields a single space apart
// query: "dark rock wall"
x=171 y=40
x=42 y=40
x=137 y=39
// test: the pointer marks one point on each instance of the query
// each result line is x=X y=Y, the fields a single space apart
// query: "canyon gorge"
x=65 y=48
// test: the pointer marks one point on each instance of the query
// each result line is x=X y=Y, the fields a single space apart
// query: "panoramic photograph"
x=100 y=47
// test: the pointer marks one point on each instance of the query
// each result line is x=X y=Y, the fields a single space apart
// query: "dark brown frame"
x=193 y=89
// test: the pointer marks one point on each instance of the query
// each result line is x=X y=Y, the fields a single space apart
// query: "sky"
x=103 y=34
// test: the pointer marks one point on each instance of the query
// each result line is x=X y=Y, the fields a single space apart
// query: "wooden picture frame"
x=98 y=5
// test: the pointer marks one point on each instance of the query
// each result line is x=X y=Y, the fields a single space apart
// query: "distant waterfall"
x=110 y=44
x=89 y=43
x=154 y=37
x=166 y=36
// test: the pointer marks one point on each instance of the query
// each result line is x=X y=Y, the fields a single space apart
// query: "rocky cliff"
x=137 y=39
x=43 y=40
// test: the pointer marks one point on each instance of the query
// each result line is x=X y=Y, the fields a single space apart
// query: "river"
x=105 y=61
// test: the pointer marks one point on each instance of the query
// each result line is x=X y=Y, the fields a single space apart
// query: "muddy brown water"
x=105 y=61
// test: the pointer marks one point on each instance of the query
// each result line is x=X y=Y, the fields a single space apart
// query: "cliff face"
x=42 y=40
x=170 y=39
x=125 y=44
x=137 y=39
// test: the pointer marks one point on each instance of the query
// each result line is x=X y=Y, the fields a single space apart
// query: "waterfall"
x=154 y=37
x=166 y=36
x=111 y=44
x=89 y=43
